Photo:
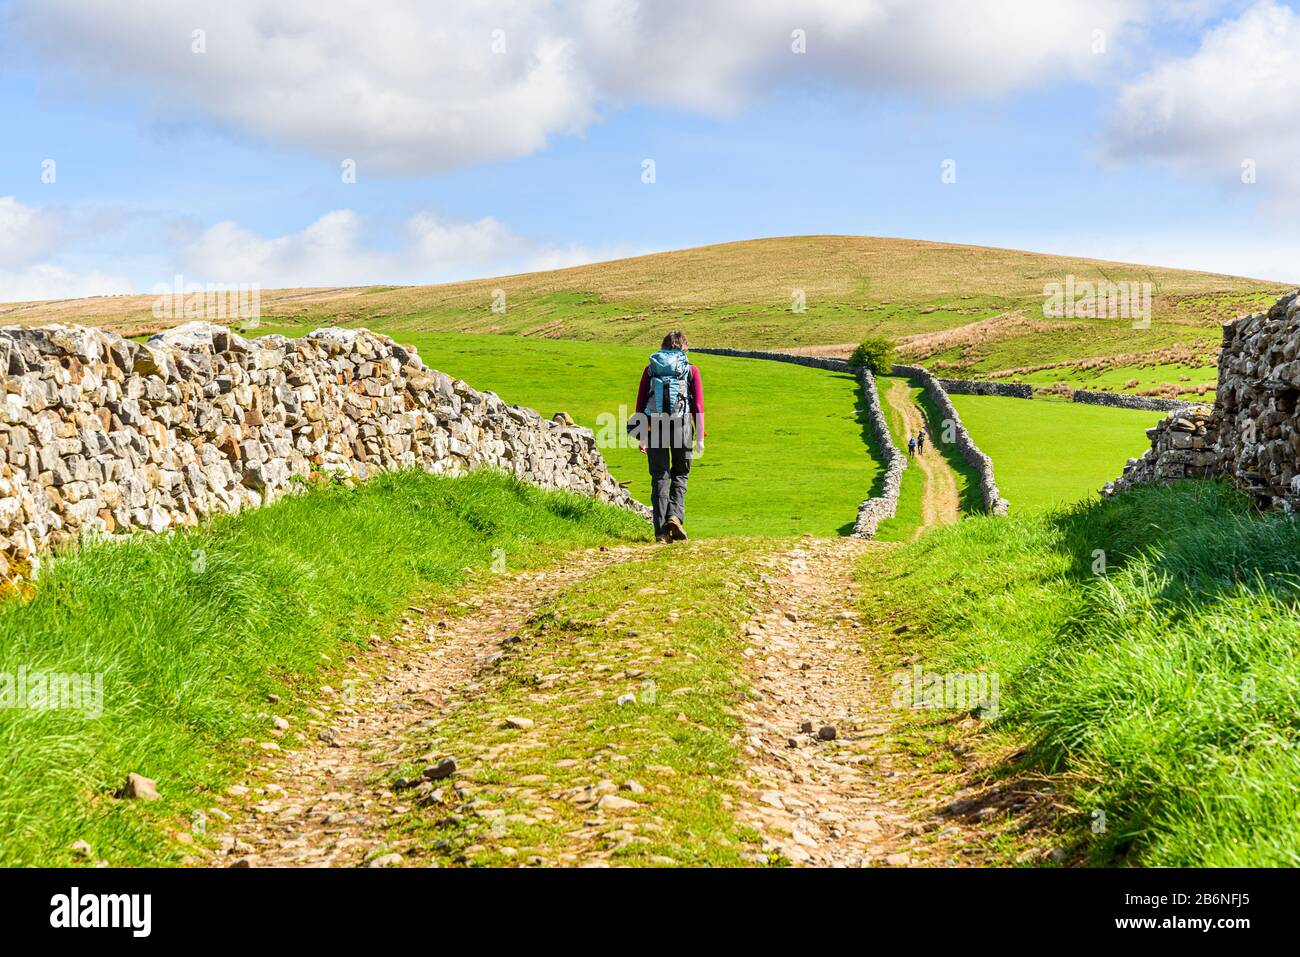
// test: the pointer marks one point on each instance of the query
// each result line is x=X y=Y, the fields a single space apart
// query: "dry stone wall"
x=1258 y=427
x=1182 y=446
x=994 y=503
x=880 y=507
x=1116 y=400
x=884 y=506
x=1251 y=436
x=100 y=435
x=813 y=362
x=1008 y=390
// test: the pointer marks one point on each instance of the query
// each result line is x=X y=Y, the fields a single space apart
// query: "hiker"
x=670 y=428
x=911 y=446
x=920 y=441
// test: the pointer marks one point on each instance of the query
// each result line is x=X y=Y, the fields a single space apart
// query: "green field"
x=785 y=453
x=1053 y=453
x=1157 y=692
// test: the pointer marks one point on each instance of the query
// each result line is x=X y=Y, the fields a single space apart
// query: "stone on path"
x=139 y=787
x=612 y=802
x=443 y=769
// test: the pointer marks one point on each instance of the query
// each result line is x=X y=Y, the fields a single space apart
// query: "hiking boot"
x=674 y=529
x=663 y=538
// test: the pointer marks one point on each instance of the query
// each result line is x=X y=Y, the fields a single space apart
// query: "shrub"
x=875 y=353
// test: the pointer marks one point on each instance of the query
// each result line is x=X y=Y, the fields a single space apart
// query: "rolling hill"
x=970 y=309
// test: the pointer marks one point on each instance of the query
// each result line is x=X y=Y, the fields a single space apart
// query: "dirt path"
x=851 y=796
x=940 y=502
x=831 y=787
x=325 y=804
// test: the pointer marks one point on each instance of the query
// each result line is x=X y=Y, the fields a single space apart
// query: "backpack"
x=670 y=376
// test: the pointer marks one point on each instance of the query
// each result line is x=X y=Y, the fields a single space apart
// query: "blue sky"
x=208 y=139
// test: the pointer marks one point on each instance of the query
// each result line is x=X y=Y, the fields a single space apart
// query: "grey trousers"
x=670 y=467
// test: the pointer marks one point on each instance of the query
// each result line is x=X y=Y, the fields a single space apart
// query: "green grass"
x=1053 y=453
x=1161 y=692
x=785 y=452
x=665 y=629
x=192 y=631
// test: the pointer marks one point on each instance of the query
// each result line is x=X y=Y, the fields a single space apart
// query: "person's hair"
x=675 y=340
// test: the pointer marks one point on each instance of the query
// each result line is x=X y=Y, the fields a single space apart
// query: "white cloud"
x=1236 y=99
x=336 y=250
x=26 y=233
x=411 y=86
x=29 y=235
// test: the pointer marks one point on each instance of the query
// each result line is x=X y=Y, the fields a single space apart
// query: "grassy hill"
x=970 y=309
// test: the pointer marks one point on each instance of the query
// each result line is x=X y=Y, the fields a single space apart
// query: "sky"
x=339 y=142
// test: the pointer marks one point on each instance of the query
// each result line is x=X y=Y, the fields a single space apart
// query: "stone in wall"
x=100 y=435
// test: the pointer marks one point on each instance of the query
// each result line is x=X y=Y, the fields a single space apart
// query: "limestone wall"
x=814 y=362
x=885 y=505
x=1182 y=446
x=1118 y=400
x=100 y=435
x=1258 y=435
x=1252 y=435
x=1009 y=390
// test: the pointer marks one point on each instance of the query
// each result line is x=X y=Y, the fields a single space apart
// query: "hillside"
x=974 y=309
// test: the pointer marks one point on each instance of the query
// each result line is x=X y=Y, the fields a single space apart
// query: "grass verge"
x=189 y=634
x=1145 y=648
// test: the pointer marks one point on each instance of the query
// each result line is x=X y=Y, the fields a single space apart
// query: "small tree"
x=875 y=353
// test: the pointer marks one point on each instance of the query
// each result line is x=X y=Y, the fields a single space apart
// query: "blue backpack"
x=670 y=377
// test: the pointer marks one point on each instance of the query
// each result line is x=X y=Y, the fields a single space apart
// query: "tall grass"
x=1165 y=686
x=191 y=632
